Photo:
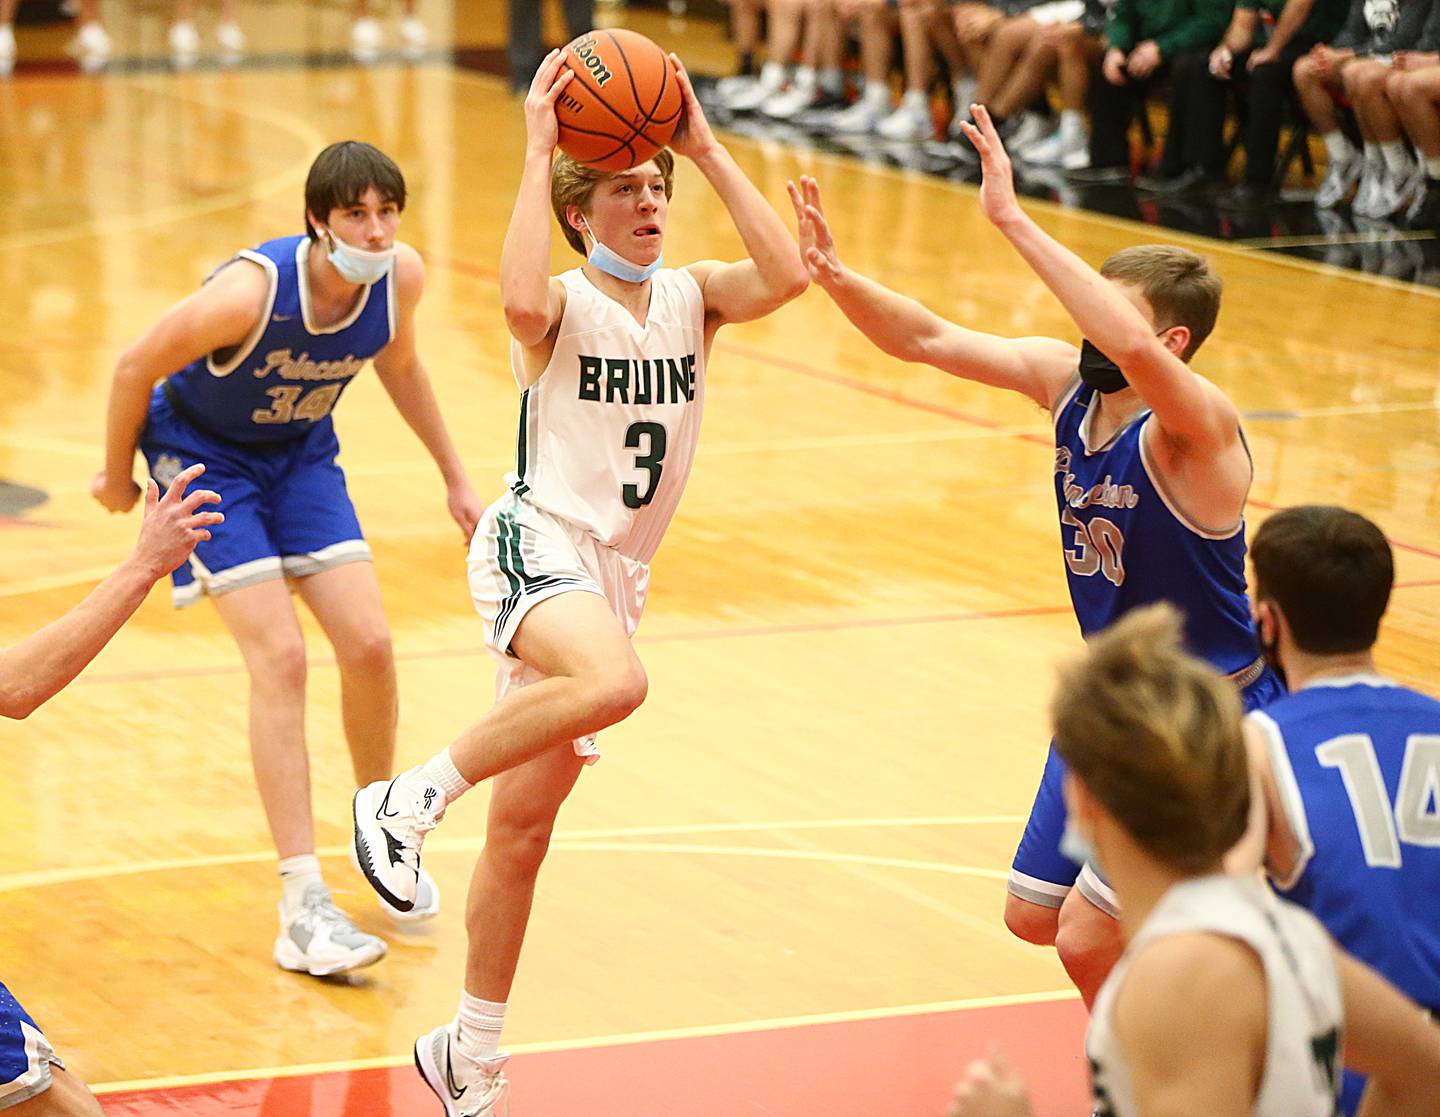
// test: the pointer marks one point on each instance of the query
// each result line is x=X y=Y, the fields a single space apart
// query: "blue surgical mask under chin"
x=1076 y=846
x=612 y=263
x=357 y=265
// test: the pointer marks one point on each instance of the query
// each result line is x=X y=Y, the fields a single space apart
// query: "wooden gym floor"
x=780 y=891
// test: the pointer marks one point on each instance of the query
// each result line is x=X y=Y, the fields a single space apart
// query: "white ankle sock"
x=1373 y=156
x=1397 y=157
x=877 y=95
x=832 y=81
x=1337 y=146
x=477 y=1026
x=915 y=99
x=297 y=874
x=1072 y=124
x=1432 y=167
x=441 y=770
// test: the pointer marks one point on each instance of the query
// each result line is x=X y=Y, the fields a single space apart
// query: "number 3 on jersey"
x=651 y=461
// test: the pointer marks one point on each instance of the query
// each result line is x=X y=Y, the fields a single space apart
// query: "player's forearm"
x=896 y=324
x=525 y=257
x=767 y=241
x=1103 y=314
x=125 y=418
x=41 y=665
x=414 y=398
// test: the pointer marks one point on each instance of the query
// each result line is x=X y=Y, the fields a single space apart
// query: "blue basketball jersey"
x=283 y=380
x=1357 y=762
x=1126 y=545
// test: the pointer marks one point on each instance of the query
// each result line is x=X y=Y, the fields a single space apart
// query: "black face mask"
x=1099 y=371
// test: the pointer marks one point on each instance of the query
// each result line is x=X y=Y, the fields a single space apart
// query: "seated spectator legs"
x=1268 y=87
x=876 y=25
x=1114 y=98
x=1074 y=50
x=1317 y=80
x=745 y=27
x=1009 y=43
x=962 y=62
x=786 y=21
x=912 y=120
x=818 y=82
x=1391 y=177
x=1416 y=96
x=1194 y=153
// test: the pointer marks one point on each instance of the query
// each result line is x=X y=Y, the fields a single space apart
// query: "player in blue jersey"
x=1353 y=759
x=33 y=1078
x=250 y=367
x=1151 y=475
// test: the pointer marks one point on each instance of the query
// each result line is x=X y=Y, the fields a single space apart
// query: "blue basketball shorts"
x=25 y=1054
x=1040 y=873
x=287 y=511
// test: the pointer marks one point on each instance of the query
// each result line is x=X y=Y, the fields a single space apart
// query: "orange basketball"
x=623 y=104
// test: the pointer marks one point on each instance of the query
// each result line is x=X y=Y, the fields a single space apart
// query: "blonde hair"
x=573 y=184
x=1155 y=735
x=1179 y=286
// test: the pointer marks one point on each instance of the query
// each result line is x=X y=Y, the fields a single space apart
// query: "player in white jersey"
x=611 y=359
x=1227 y=999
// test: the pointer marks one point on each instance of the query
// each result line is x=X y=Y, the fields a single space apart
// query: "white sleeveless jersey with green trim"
x=1302 y=993
x=608 y=432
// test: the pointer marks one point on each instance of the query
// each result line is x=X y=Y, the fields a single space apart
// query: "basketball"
x=623 y=104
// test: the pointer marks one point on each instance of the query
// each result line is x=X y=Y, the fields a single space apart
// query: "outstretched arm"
x=1189 y=409
x=37 y=668
x=1036 y=367
x=533 y=302
x=400 y=371
x=774 y=273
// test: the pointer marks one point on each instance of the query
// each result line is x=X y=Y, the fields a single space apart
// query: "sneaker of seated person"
x=751 y=96
x=865 y=114
x=1052 y=150
x=803 y=93
x=1030 y=129
x=1373 y=194
x=1098 y=176
x=911 y=121
x=1340 y=177
x=1192 y=180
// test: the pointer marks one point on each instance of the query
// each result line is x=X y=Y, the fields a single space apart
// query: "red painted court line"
x=899 y=1066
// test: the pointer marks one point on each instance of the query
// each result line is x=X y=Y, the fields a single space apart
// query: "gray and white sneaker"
x=1372 y=194
x=465 y=1087
x=752 y=96
x=392 y=818
x=910 y=122
x=1032 y=129
x=1340 y=176
x=789 y=103
x=319 y=938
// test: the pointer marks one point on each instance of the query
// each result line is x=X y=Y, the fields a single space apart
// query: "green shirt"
x=1175 y=25
x=1322 y=24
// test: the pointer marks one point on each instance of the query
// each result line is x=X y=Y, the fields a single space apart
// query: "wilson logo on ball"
x=585 y=51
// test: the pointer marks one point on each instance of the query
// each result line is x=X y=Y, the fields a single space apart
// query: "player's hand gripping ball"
x=623 y=104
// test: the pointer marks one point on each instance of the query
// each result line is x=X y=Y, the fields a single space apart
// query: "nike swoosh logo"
x=385 y=802
x=456 y=1091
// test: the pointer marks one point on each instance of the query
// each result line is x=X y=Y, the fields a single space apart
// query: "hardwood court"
x=849 y=637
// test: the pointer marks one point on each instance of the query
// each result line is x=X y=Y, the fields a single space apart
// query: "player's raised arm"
x=1188 y=408
x=405 y=380
x=41 y=665
x=533 y=301
x=774 y=274
x=902 y=327
x=218 y=316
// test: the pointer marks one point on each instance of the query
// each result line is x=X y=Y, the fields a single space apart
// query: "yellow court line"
x=704 y=1031
x=310 y=138
x=575 y=839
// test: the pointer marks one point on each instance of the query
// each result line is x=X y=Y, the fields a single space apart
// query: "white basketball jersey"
x=608 y=431
x=1302 y=1056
